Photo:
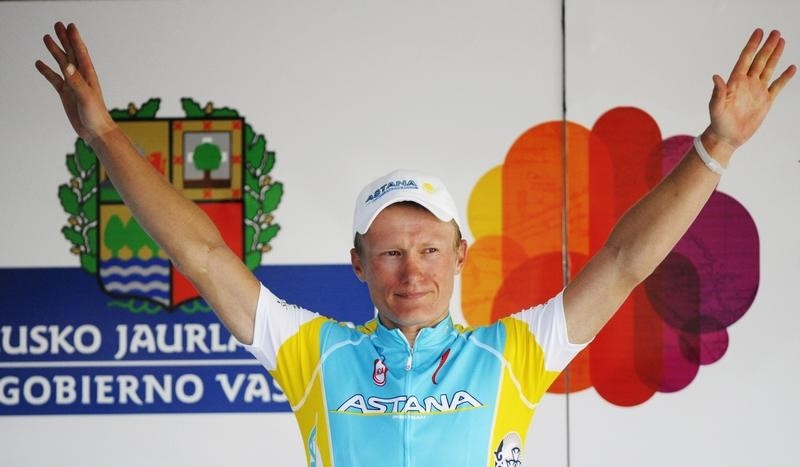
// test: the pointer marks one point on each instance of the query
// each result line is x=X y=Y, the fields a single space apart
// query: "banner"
x=74 y=350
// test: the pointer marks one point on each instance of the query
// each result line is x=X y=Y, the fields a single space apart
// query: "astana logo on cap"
x=395 y=185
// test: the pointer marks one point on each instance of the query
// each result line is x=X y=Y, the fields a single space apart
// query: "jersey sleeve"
x=548 y=326
x=277 y=323
x=535 y=349
x=287 y=340
x=536 y=346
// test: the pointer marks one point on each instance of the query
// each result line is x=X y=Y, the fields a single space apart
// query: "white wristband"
x=712 y=164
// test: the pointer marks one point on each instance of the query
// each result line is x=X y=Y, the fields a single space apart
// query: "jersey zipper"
x=406 y=418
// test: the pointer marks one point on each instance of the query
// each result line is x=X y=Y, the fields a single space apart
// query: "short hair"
x=358 y=242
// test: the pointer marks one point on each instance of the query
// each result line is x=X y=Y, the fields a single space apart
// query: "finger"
x=61 y=32
x=777 y=85
x=55 y=51
x=761 y=58
x=746 y=57
x=51 y=76
x=84 y=61
x=75 y=82
x=718 y=94
x=769 y=69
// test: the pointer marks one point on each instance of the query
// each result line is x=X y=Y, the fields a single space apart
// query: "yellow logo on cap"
x=428 y=187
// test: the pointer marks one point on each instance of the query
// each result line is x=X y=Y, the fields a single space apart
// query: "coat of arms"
x=211 y=155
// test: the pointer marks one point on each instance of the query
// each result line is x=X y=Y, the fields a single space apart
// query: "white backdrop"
x=347 y=91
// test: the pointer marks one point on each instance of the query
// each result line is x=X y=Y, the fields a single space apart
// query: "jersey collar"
x=428 y=337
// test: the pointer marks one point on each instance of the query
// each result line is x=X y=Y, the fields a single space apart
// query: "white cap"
x=403 y=185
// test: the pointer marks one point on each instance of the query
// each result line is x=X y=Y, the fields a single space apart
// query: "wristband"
x=710 y=162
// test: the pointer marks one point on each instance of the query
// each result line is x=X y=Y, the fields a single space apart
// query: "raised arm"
x=182 y=229
x=650 y=229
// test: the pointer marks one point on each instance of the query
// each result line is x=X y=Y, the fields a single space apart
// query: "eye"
x=431 y=249
x=391 y=253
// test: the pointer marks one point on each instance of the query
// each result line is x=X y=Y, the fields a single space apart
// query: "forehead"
x=407 y=219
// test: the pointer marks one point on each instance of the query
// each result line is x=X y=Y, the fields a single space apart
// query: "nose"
x=413 y=269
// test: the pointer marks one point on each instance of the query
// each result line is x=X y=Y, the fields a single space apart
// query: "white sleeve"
x=548 y=325
x=276 y=321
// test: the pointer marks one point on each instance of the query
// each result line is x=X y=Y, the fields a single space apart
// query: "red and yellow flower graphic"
x=557 y=196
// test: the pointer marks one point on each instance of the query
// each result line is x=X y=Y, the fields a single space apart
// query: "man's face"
x=409 y=260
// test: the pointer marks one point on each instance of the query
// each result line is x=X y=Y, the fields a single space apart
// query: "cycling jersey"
x=363 y=397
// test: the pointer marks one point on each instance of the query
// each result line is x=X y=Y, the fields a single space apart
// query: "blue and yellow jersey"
x=363 y=397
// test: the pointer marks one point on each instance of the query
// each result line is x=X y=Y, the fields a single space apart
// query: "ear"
x=461 y=255
x=355 y=261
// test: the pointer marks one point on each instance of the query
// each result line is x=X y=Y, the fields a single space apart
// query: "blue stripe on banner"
x=67 y=348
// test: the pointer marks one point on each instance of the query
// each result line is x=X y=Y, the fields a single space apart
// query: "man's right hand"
x=181 y=229
x=77 y=85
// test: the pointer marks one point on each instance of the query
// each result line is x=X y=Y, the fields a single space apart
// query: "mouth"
x=411 y=295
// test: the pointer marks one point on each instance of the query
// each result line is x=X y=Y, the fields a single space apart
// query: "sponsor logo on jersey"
x=441 y=364
x=359 y=403
x=509 y=451
x=314 y=457
x=379 y=372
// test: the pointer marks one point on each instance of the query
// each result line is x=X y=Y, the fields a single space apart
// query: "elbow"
x=198 y=260
x=631 y=268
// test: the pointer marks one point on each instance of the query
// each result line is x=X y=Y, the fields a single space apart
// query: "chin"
x=415 y=317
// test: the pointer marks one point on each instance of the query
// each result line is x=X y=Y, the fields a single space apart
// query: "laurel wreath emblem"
x=79 y=200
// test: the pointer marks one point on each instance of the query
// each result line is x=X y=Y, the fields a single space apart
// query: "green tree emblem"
x=207 y=157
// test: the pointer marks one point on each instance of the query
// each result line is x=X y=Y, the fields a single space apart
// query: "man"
x=410 y=387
